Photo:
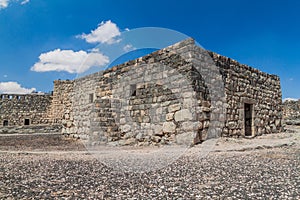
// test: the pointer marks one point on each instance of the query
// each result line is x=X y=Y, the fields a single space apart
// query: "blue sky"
x=37 y=36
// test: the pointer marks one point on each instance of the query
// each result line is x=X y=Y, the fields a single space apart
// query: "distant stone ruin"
x=291 y=112
x=180 y=94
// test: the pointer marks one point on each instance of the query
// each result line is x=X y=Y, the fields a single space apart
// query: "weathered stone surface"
x=127 y=142
x=170 y=116
x=191 y=126
x=186 y=138
x=157 y=129
x=156 y=139
x=174 y=108
x=183 y=115
x=125 y=128
x=140 y=136
x=169 y=127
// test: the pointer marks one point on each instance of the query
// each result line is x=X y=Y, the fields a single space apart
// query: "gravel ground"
x=55 y=168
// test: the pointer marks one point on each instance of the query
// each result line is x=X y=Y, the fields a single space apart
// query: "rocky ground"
x=50 y=167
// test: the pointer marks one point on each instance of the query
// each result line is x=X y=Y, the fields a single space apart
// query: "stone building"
x=180 y=94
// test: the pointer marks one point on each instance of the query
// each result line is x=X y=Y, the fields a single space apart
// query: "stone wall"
x=246 y=85
x=37 y=128
x=61 y=104
x=291 y=109
x=155 y=99
x=19 y=110
x=291 y=112
x=83 y=97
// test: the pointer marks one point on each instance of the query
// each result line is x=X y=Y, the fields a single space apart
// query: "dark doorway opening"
x=248 y=119
x=5 y=123
x=27 y=122
x=133 y=90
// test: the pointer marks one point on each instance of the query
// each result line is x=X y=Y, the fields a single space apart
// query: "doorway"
x=5 y=123
x=26 y=122
x=248 y=119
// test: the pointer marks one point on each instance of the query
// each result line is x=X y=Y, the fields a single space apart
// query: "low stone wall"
x=291 y=112
x=30 y=129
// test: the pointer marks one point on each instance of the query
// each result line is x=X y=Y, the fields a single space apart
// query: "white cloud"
x=5 y=76
x=128 y=47
x=69 y=61
x=4 y=3
x=289 y=99
x=14 y=88
x=25 y=2
x=94 y=50
x=106 y=32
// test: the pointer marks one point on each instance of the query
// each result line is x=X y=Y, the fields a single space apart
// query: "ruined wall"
x=61 y=106
x=291 y=112
x=32 y=108
x=246 y=85
x=291 y=109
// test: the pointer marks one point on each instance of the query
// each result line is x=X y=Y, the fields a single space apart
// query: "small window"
x=26 y=122
x=91 y=98
x=133 y=90
x=5 y=123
